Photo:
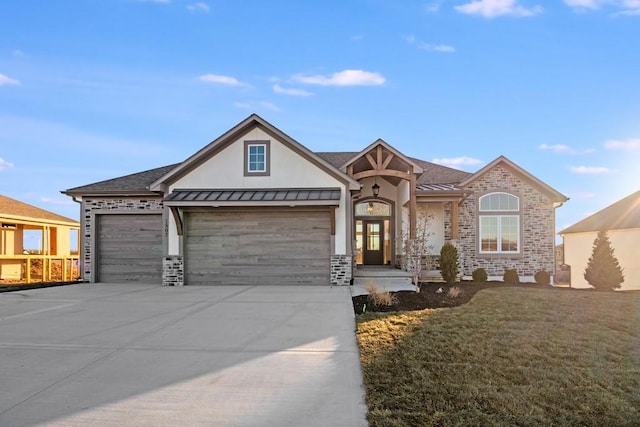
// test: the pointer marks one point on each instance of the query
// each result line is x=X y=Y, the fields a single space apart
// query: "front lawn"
x=510 y=356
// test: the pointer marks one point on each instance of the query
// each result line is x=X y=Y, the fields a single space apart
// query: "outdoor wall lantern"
x=376 y=189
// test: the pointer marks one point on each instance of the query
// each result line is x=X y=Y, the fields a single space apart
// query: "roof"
x=433 y=177
x=432 y=172
x=135 y=182
x=623 y=214
x=553 y=194
x=254 y=195
x=251 y=122
x=20 y=210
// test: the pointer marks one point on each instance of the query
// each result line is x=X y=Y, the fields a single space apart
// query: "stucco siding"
x=288 y=169
x=626 y=246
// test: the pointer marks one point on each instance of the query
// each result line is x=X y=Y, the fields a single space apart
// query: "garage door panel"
x=255 y=247
x=129 y=248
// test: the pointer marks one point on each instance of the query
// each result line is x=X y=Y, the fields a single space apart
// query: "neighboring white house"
x=622 y=221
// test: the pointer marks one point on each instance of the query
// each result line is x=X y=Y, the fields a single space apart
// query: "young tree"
x=415 y=250
x=603 y=271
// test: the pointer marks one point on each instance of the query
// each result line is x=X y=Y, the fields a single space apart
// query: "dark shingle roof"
x=134 y=182
x=139 y=182
x=433 y=173
x=16 y=208
x=624 y=213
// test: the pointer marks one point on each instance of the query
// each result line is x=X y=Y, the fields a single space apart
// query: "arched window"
x=499 y=223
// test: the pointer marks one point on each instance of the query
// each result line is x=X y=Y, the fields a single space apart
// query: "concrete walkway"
x=114 y=355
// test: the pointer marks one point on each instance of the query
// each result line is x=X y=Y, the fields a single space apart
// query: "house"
x=622 y=222
x=57 y=234
x=257 y=207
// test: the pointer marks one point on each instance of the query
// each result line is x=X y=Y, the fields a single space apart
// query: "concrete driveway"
x=115 y=354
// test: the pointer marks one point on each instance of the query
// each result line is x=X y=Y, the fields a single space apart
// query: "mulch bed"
x=429 y=298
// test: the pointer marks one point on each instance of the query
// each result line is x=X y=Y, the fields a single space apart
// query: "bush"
x=479 y=275
x=511 y=276
x=542 y=277
x=449 y=263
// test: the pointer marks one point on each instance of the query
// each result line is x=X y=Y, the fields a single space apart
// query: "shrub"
x=511 y=276
x=542 y=277
x=449 y=263
x=479 y=275
x=454 y=292
x=603 y=271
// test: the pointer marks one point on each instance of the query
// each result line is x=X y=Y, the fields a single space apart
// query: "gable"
x=221 y=164
x=502 y=169
x=226 y=169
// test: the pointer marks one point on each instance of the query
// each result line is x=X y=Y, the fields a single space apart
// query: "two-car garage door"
x=254 y=247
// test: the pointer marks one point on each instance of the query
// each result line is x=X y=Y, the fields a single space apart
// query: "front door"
x=373 y=242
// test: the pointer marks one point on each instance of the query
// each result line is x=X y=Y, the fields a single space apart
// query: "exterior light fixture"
x=376 y=189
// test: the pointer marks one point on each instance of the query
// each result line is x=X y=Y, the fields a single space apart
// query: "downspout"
x=80 y=241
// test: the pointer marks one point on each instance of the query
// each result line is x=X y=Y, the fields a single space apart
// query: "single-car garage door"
x=129 y=248
x=256 y=247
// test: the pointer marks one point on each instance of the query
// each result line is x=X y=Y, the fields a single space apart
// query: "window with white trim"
x=499 y=223
x=256 y=158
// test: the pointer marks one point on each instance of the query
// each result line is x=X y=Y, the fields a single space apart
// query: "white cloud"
x=457 y=162
x=59 y=202
x=432 y=7
x=5 y=80
x=631 y=144
x=198 y=7
x=495 y=8
x=260 y=105
x=222 y=80
x=627 y=7
x=564 y=149
x=343 y=78
x=589 y=170
x=290 y=91
x=4 y=164
x=443 y=48
x=583 y=4
x=357 y=38
x=582 y=195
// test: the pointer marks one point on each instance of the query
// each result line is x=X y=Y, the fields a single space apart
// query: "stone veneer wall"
x=341 y=270
x=97 y=205
x=537 y=223
x=173 y=271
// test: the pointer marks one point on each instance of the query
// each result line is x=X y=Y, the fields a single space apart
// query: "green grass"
x=509 y=357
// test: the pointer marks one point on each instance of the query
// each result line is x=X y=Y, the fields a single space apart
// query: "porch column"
x=412 y=205
x=454 y=220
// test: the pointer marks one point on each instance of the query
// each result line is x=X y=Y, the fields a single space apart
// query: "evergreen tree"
x=603 y=271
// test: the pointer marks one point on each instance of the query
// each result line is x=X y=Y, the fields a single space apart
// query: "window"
x=256 y=158
x=499 y=223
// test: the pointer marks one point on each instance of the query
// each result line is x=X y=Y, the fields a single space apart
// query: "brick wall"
x=92 y=206
x=537 y=224
x=341 y=270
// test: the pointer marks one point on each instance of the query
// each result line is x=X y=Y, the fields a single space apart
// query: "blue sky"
x=91 y=90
